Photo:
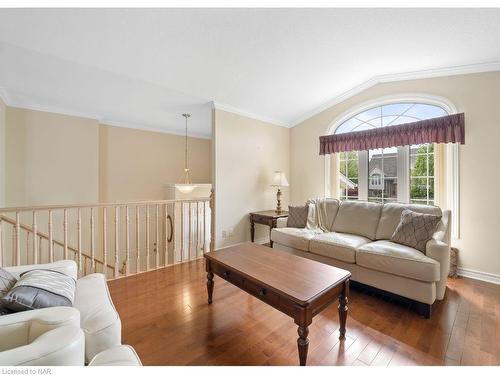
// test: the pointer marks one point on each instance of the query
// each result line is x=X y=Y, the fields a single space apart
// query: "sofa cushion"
x=293 y=237
x=358 y=217
x=391 y=215
x=340 y=246
x=387 y=256
x=99 y=320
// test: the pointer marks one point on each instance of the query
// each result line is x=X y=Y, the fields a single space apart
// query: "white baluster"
x=127 y=240
x=157 y=247
x=117 y=235
x=190 y=234
x=35 y=239
x=17 y=241
x=137 y=240
x=92 y=240
x=79 y=230
x=51 y=239
x=104 y=241
x=182 y=231
x=65 y=229
x=147 y=237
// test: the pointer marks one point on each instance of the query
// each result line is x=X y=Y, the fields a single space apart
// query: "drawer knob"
x=262 y=292
x=225 y=274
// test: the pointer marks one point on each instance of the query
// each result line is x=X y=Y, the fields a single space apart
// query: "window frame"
x=403 y=165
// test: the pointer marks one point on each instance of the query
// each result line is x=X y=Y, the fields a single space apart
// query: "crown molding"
x=237 y=111
x=92 y=116
x=406 y=76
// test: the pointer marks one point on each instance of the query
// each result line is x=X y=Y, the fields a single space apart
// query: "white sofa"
x=359 y=240
x=65 y=335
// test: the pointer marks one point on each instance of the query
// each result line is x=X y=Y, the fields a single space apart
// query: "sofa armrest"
x=281 y=222
x=440 y=251
x=123 y=355
x=22 y=328
x=68 y=267
x=62 y=346
x=50 y=336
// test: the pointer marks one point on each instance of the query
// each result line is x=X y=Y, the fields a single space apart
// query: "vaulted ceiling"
x=144 y=67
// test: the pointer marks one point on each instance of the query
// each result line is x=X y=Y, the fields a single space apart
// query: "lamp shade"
x=279 y=179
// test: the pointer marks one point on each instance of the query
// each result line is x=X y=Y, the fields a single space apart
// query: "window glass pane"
x=418 y=188
x=382 y=164
x=382 y=175
x=349 y=170
x=396 y=109
x=425 y=111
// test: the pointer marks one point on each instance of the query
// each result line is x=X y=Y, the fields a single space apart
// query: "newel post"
x=212 y=220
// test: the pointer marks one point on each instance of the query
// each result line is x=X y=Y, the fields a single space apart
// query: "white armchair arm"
x=46 y=337
x=440 y=251
x=281 y=222
x=68 y=267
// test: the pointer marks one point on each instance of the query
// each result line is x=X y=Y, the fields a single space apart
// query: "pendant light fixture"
x=185 y=186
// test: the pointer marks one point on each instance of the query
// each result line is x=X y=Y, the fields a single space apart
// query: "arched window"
x=404 y=174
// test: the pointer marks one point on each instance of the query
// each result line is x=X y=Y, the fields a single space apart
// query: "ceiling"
x=145 y=67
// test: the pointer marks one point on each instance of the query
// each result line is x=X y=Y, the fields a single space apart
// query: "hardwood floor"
x=166 y=318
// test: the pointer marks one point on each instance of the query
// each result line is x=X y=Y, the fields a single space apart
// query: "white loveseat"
x=359 y=240
x=91 y=329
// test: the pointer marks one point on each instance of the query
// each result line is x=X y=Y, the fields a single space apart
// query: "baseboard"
x=479 y=275
x=261 y=241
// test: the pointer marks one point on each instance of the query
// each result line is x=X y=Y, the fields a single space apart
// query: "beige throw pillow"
x=297 y=216
x=415 y=229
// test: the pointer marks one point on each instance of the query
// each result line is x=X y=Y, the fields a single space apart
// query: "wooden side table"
x=269 y=218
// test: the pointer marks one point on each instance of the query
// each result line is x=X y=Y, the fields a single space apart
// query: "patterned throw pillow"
x=297 y=216
x=7 y=281
x=37 y=289
x=415 y=229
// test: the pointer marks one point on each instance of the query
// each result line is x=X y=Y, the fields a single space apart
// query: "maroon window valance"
x=446 y=129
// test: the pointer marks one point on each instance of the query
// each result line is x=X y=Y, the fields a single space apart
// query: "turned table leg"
x=252 y=230
x=303 y=344
x=210 y=285
x=343 y=301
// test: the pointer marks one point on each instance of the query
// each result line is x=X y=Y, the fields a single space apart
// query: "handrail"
x=46 y=236
x=154 y=232
x=90 y=205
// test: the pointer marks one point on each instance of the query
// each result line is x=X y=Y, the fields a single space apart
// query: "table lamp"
x=279 y=180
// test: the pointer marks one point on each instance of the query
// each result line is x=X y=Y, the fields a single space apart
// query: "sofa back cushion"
x=391 y=216
x=357 y=217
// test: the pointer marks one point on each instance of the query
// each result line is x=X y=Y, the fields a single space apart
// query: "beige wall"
x=50 y=158
x=478 y=95
x=3 y=110
x=246 y=153
x=135 y=164
x=58 y=159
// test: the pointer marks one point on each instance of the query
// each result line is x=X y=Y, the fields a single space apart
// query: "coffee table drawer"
x=227 y=274
x=261 y=292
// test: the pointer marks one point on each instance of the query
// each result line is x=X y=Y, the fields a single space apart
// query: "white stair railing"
x=117 y=239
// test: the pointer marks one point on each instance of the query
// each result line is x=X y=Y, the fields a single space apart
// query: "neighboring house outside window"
x=404 y=174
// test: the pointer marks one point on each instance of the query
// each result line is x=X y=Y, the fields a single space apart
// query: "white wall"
x=3 y=110
x=246 y=153
x=478 y=95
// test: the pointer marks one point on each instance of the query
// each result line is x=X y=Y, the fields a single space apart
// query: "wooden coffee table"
x=296 y=286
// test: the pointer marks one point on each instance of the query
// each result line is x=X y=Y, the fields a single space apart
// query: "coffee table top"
x=301 y=279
